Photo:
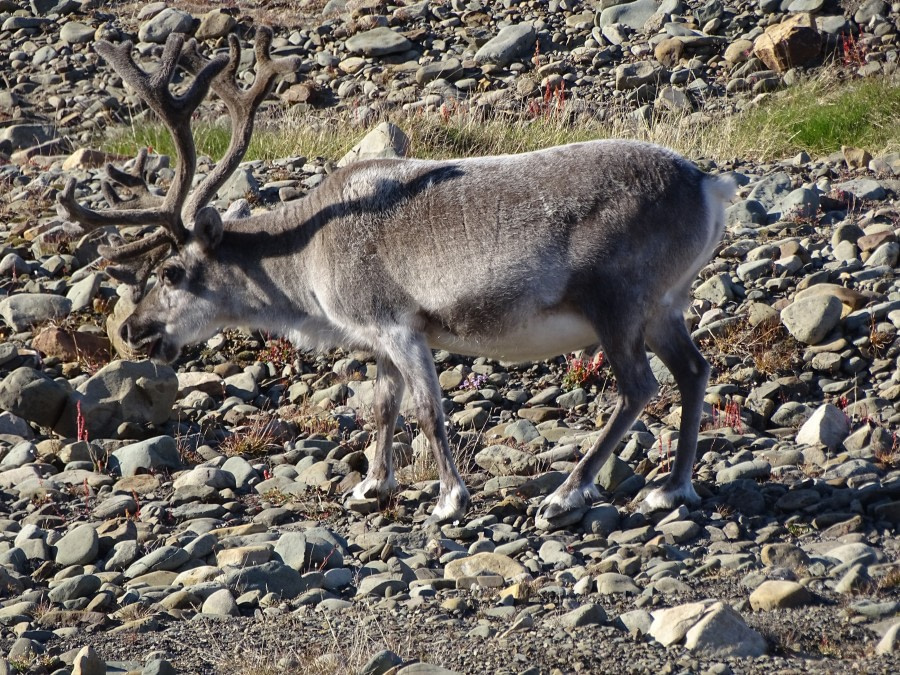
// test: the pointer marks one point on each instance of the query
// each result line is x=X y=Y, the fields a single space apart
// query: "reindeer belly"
x=537 y=337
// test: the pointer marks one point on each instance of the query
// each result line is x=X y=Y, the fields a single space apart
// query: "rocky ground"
x=190 y=520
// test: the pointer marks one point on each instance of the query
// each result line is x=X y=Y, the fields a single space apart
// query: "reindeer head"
x=186 y=230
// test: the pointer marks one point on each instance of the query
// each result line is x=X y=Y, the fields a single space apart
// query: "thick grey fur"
x=518 y=257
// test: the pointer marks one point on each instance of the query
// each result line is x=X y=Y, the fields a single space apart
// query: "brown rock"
x=301 y=93
x=114 y=321
x=870 y=242
x=669 y=51
x=856 y=158
x=215 y=24
x=794 y=42
x=86 y=158
x=738 y=51
x=72 y=346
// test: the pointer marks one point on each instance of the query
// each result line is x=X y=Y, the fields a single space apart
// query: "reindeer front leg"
x=379 y=481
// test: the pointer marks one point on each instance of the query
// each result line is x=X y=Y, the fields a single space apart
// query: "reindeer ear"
x=208 y=228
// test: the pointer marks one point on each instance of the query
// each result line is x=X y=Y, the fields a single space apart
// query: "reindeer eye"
x=171 y=274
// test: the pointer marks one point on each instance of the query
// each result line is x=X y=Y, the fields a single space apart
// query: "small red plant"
x=729 y=417
x=280 y=352
x=80 y=424
x=582 y=372
x=854 y=53
x=665 y=462
x=137 y=500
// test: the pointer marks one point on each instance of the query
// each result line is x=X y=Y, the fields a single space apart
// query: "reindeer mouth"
x=153 y=349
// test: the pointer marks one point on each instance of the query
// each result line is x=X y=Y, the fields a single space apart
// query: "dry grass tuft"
x=771 y=348
x=254 y=439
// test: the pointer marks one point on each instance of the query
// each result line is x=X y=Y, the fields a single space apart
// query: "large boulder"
x=33 y=396
x=794 y=42
x=124 y=391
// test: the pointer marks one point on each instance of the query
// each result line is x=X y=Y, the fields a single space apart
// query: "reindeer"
x=514 y=257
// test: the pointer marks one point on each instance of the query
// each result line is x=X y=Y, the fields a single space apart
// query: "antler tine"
x=241 y=103
x=90 y=219
x=133 y=180
x=137 y=248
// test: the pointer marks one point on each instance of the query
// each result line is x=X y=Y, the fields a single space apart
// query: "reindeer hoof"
x=666 y=498
x=451 y=506
x=558 y=511
x=372 y=488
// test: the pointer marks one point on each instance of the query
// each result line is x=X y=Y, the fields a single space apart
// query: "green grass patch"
x=818 y=116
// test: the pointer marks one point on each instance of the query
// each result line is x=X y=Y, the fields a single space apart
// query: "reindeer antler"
x=175 y=112
x=241 y=103
x=179 y=205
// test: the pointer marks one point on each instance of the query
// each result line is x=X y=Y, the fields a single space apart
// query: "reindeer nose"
x=125 y=333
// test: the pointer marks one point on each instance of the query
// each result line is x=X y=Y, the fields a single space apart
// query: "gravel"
x=190 y=520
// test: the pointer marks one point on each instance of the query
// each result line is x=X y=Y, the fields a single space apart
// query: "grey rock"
x=811 y=319
x=869 y=9
x=612 y=583
x=242 y=472
x=503 y=460
x=752 y=469
x=889 y=642
x=82 y=292
x=800 y=203
x=771 y=190
x=511 y=43
x=241 y=185
x=587 y=615
x=168 y=21
x=270 y=577
x=141 y=392
x=380 y=41
x=220 y=603
x=27 y=135
x=722 y=633
x=863 y=188
x=386 y=141
x=827 y=426
x=669 y=626
x=19 y=455
x=381 y=663
x=885 y=255
x=746 y=212
x=777 y=594
x=88 y=662
x=632 y=14
x=154 y=454
x=163 y=558
x=634 y=75
x=76 y=33
x=45 y=7
x=601 y=519
x=215 y=24
x=79 y=546
x=26 y=310
x=80 y=586
x=158 y=667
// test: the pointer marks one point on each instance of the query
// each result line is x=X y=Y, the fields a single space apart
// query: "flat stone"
x=380 y=41
x=486 y=563
x=511 y=43
x=775 y=594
